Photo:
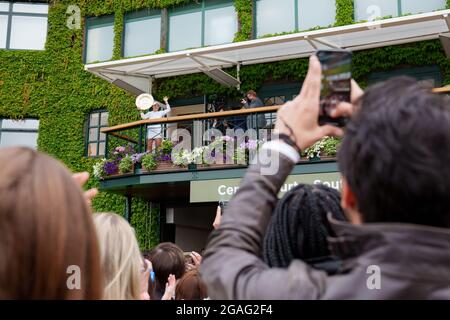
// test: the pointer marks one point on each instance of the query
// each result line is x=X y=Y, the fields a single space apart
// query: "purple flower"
x=252 y=144
x=110 y=168
x=163 y=158
x=137 y=157
x=227 y=138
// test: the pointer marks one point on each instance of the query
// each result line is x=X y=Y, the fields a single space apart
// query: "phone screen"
x=336 y=83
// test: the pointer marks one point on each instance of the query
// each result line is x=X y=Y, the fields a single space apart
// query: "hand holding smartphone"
x=336 y=84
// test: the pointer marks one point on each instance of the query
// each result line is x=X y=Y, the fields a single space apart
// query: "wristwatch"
x=287 y=139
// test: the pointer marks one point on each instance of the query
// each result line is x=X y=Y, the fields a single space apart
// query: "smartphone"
x=336 y=84
x=223 y=205
x=187 y=258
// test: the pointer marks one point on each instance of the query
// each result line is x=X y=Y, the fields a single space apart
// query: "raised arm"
x=167 y=110
x=232 y=267
x=144 y=115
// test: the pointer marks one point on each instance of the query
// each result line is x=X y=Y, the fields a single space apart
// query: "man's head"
x=251 y=95
x=395 y=156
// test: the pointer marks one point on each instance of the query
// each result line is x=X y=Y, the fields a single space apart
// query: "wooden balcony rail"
x=202 y=116
x=442 y=90
x=198 y=116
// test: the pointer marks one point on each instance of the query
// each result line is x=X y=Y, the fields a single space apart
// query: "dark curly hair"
x=299 y=227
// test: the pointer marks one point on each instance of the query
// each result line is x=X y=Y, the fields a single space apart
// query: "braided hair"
x=299 y=227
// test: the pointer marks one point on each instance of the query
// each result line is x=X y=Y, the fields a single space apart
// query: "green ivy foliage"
x=52 y=85
x=244 y=9
x=344 y=12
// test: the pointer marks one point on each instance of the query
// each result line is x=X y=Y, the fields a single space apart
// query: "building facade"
x=45 y=46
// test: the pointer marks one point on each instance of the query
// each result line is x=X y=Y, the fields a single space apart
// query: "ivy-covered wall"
x=53 y=86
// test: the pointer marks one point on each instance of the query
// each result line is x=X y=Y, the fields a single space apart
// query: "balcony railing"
x=259 y=119
x=195 y=132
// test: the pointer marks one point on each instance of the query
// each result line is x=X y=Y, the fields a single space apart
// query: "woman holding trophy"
x=154 y=131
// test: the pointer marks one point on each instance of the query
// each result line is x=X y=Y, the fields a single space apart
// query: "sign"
x=224 y=189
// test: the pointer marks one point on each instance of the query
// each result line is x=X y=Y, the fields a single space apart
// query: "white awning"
x=135 y=74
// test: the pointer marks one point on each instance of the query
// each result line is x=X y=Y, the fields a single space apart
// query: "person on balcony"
x=253 y=101
x=154 y=131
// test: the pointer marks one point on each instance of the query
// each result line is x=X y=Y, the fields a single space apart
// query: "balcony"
x=218 y=148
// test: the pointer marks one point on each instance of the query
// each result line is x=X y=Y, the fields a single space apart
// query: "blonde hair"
x=120 y=257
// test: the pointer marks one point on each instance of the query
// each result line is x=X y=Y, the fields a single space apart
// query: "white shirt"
x=156 y=114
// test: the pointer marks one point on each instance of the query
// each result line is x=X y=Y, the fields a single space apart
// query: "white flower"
x=98 y=169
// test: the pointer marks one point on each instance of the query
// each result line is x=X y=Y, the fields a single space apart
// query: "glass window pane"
x=142 y=36
x=93 y=121
x=32 y=124
x=30 y=8
x=28 y=32
x=101 y=149
x=102 y=136
x=92 y=149
x=274 y=16
x=104 y=119
x=185 y=31
x=3 y=30
x=4 y=6
x=220 y=25
x=371 y=9
x=309 y=17
x=100 y=43
x=414 y=6
x=93 y=134
x=27 y=139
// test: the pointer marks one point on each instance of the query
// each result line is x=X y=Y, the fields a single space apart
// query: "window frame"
x=417 y=72
x=99 y=126
x=10 y=14
x=18 y=130
x=194 y=8
x=100 y=21
x=141 y=14
x=296 y=18
x=399 y=11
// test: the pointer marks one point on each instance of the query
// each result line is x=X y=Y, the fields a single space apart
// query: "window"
x=313 y=13
x=220 y=25
x=23 y=25
x=99 y=38
x=277 y=95
x=204 y=24
x=373 y=9
x=430 y=75
x=276 y=16
x=142 y=33
x=19 y=133
x=419 y=6
x=96 y=141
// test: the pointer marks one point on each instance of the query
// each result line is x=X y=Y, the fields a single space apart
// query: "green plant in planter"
x=126 y=165
x=166 y=147
x=148 y=162
x=330 y=146
x=313 y=152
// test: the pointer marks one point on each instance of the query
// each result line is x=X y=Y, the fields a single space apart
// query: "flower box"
x=164 y=166
x=221 y=166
